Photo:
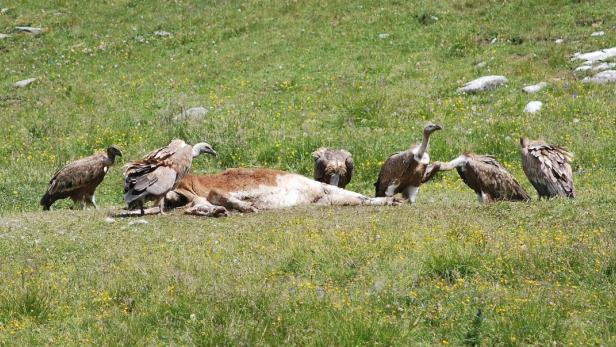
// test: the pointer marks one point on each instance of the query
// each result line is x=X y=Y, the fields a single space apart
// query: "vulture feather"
x=332 y=166
x=159 y=172
x=79 y=179
x=487 y=177
x=403 y=172
x=548 y=168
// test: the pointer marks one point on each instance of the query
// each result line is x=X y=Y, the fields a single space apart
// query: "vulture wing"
x=486 y=174
x=548 y=169
x=153 y=183
x=86 y=173
x=393 y=170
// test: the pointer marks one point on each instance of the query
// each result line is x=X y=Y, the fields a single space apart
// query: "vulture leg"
x=92 y=201
x=480 y=197
x=161 y=205
x=410 y=193
x=217 y=197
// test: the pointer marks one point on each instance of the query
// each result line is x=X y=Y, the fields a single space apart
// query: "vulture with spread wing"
x=548 y=168
x=159 y=172
x=487 y=177
x=79 y=179
x=333 y=166
x=403 y=172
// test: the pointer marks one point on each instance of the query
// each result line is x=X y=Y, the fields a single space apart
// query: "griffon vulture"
x=405 y=171
x=333 y=166
x=78 y=180
x=159 y=172
x=548 y=168
x=487 y=177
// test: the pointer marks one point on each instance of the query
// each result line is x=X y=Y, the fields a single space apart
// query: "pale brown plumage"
x=487 y=177
x=333 y=166
x=548 y=168
x=403 y=172
x=79 y=179
x=159 y=172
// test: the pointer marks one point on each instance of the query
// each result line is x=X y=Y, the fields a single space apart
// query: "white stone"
x=583 y=68
x=3 y=36
x=603 y=66
x=4 y=10
x=31 y=30
x=534 y=88
x=482 y=84
x=109 y=220
x=597 y=33
x=24 y=83
x=592 y=57
x=533 y=107
x=607 y=76
x=193 y=113
x=162 y=33
x=559 y=41
x=383 y=36
x=481 y=64
x=138 y=221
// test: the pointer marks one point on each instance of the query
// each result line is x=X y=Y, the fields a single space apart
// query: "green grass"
x=282 y=78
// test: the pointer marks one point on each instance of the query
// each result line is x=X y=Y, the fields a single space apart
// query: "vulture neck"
x=424 y=146
x=456 y=163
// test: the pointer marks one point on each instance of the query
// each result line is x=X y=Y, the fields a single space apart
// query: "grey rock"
x=162 y=33
x=483 y=84
x=3 y=36
x=481 y=64
x=109 y=220
x=138 y=222
x=383 y=36
x=534 y=88
x=193 y=113
x=597 y=33
x=607 y=76
x=603 y=66
x=559 y=41
x=4 y=10
x=533 y=107
x=31 y=30
x=24 y=83
x=592 y=57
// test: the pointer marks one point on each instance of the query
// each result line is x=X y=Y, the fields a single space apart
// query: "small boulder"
x=607 y=76
x=483 y=84
x=138 y=222
x=162 y=33
x=559 y=41
x=533 y=107
x=193 y=113
x=31 y=30
x=383 y=36
x=24 y=83
x=597 y=33
x=534 y=88
x=591 y=57
x=3 y=36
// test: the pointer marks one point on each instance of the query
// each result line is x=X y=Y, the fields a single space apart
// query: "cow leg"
x=161 y=205
x=201 y=207
x=219 y=198
x=338 y=196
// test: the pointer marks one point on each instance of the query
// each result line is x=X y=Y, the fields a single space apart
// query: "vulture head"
x=430 y=128
x=202 y=147
x=113 y=151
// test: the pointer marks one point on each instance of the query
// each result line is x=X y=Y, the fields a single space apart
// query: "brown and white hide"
x=159 y=172
x=250 y=190
x=487 y=177
x=548 y=168
x=403 y=172
x=333 y=166
x=79 y=179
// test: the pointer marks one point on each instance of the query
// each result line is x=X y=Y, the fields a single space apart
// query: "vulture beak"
x=437 y=127
x=210 y=150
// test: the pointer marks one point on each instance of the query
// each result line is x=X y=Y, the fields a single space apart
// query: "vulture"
x=159 y=172
x=487 y=177
x=333 y=166
x=79 y=179
x=403 y=172
x=548 y=168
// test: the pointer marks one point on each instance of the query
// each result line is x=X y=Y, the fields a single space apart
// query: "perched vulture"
x=548 y=168
x=159 y=172
x=487 y=177
x=78 y=180
x=333 y=166
x=403 y=172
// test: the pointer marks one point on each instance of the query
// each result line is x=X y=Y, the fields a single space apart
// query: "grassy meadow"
x=280 y=79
